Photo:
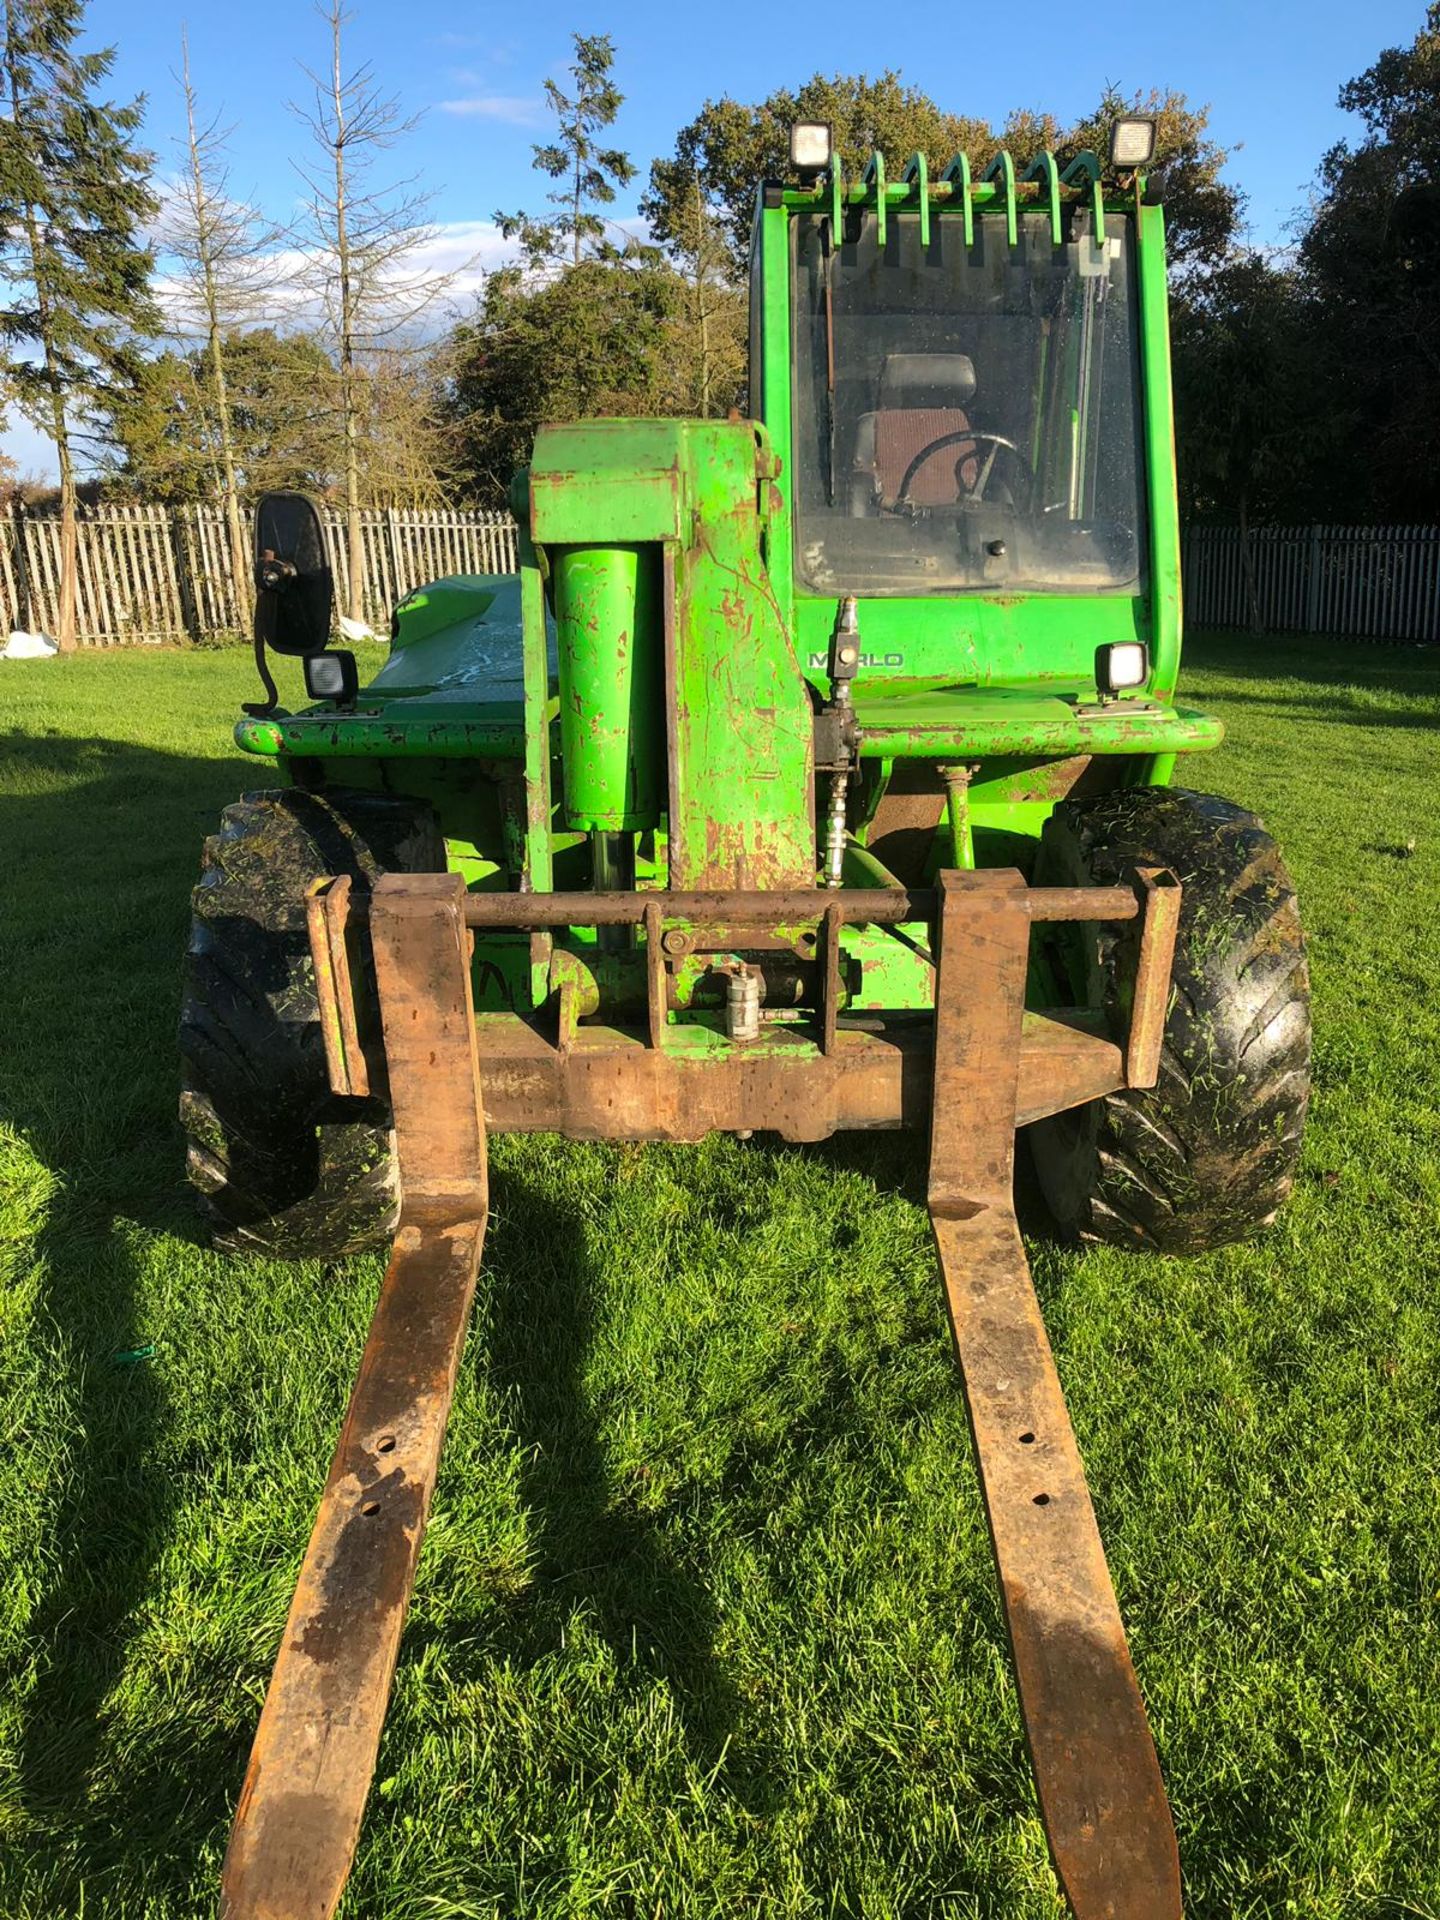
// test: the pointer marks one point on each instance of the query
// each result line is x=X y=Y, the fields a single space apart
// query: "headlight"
x=1132 y=142
x=811 y=142
x=331 y=676
x=1124 y=665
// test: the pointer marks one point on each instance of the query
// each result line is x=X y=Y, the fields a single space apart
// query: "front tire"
x=1208 y=1155
x=283 y=1166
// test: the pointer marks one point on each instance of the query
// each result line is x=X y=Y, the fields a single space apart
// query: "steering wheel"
x=958 y=437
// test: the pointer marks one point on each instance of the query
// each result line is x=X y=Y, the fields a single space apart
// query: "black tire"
x=1207 y=1156
x=282 y=1165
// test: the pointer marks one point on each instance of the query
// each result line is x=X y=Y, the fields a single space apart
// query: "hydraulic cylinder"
x=612 y=701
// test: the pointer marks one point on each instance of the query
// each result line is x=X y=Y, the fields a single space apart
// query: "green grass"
x=705 y=1622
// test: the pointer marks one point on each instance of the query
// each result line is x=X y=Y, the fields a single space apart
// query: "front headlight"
x=331 y=676
x=1121 y=666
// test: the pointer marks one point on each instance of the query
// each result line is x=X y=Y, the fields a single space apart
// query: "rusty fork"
x=1102 y=1799
x=315 y=1749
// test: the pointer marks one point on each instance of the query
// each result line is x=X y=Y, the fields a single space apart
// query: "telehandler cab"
x=815 y=773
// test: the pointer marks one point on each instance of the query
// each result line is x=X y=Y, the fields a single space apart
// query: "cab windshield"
x=966 y=417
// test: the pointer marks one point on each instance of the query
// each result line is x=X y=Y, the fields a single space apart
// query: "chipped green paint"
x=346 y=736
x=955 y=723
x=730 y=700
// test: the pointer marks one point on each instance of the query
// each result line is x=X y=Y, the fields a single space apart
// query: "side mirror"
x=294 y=588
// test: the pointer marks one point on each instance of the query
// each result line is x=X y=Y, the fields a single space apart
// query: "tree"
x=734 y=147
x=589 y=173
x=582 y=326
x=571 y=346
x=360 y=239
x=1245 y=397
x=75 y=190
x=166 y=428
x=405 y=459
x=222 y=254
x=1370 y=258
x=1202 y=210
x=686 y=221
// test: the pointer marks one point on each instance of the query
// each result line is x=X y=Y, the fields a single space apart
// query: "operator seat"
x=921 y=397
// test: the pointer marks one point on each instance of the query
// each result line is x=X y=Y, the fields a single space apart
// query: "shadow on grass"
x=595 y=1550
x=102 y=841
x=97 y=910
x=900 y=1163
x=1332 y=671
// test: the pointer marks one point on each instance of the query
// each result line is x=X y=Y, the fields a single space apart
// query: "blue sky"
x=1270 y=74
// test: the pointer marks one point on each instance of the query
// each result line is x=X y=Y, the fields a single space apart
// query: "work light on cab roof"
x=814 y=773
x=810 y=146
x=1132 y=142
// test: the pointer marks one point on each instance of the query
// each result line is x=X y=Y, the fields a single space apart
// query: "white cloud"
x=462 y=252
x=468 y=249
x=513 y=110
x=500 y=53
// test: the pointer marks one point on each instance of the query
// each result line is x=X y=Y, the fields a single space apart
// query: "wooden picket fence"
x=149 y=574
x=156 y=574
x=1370 y=583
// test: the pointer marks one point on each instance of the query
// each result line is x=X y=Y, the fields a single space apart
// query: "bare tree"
x=687 y=221
x=360 y=240
x=224 y=278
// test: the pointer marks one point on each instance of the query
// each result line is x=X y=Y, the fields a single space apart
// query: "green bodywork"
x=651 y=678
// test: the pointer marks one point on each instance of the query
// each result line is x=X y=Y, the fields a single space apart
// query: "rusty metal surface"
x=611 y=1085
x=656 y=981
x=830 y=977
x=327 y=919
x=339 y=901
x=1101 y=1795
x=876 y=906
x=1159 y=924
x=309 y=1773
x=989 y=1067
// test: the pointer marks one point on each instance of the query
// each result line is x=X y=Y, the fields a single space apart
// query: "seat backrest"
x=900 y=434
x=922 y=398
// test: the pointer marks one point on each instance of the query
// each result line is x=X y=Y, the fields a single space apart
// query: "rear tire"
x=283 y=1166
x=1207 y=1156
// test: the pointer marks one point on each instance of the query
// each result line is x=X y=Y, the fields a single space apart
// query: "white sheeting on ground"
x=357 y=629
x=28 y=646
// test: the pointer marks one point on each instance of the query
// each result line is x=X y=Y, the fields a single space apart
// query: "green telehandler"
x=815 y=772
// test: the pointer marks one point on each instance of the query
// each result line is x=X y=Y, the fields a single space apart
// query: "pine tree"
x=73 y=259
x=589 y=173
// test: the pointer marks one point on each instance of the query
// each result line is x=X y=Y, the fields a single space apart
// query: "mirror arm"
x=258 y=710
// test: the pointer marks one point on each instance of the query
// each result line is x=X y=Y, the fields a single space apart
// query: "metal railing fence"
x=1370 y=583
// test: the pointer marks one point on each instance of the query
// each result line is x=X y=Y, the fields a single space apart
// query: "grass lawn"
x=706 y=1623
